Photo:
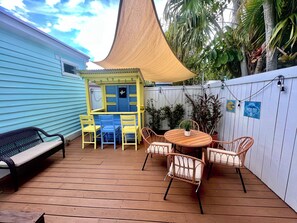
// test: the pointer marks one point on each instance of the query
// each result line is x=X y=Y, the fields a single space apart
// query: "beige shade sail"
x=140 y=42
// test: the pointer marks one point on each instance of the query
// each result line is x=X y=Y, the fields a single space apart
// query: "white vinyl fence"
x=273 y=157
x=170 y=95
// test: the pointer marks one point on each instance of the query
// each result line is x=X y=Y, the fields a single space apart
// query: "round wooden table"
x=197 y=139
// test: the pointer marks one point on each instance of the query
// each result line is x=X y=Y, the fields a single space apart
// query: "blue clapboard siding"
x=33 y=91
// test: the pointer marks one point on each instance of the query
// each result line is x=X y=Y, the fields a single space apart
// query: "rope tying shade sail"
x=140 y=42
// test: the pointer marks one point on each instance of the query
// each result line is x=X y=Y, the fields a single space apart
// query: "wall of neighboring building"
x=33 y=89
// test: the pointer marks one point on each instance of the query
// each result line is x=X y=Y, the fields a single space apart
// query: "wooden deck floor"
x=108 y=186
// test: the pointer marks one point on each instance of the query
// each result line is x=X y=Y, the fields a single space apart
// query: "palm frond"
x=285 y=33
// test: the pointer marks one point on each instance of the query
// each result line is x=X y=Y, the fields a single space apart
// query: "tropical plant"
x=198 y=40
x=173 y=114
x=206 y=111
x=223 y=54
x=155 y=115
x=192 y=23
x=266 y=25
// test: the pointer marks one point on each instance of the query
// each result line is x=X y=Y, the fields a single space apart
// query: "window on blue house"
x=69 y=69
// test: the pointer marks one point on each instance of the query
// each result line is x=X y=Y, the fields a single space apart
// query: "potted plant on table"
x=187 y=127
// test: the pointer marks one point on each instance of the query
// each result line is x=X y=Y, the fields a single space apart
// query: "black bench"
x=22 y=148
x=21 y=216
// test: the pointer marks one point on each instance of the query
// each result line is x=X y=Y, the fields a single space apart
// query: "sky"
x=86 y=25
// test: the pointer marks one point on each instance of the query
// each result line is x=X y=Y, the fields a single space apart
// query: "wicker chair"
x=230 y=154
x=194 y=125
x=188 y=169
x=154 y=144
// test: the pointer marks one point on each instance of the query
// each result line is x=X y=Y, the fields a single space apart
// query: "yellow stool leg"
x=83 y=140
x=123 y=141
x=136 y=140
x=95 y=140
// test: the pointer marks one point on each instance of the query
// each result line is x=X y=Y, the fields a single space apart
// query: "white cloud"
x=98 y=33
x=17 y=8
x=46 y=30
x=67 y=23
x=13 y=5
x=93 y=66
x=52 y=3
x=95 y=7
x=74 y=3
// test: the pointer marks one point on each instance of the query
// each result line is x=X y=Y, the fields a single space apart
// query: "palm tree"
x=284 y=36
x=263 y=26
x=269 y=23
x=192 y=23
x=269 y=20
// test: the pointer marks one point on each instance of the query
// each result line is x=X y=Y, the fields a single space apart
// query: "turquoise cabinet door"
x=133 y=98
x=111 y=90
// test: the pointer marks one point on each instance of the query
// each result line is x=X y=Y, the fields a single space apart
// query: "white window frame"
x=64 y=73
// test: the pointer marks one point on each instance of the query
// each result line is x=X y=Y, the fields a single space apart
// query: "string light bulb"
x=223 y=85
x=281 y=82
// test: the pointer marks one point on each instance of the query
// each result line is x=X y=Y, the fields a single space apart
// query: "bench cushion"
x=29 y=154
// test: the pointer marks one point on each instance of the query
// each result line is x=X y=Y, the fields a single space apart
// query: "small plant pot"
x=187 y=133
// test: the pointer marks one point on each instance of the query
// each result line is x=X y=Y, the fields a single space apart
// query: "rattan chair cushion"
x=223 y=157
x=184 y=168
x=160 y=148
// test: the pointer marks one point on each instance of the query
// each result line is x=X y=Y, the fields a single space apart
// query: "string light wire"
x=252 y=95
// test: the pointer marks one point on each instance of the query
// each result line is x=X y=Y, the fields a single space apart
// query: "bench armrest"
x=51 y=135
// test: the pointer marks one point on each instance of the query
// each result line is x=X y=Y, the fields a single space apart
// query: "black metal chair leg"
x=145 y=161
x=200 y=204
x=209 y=170
x=168 y=189
x=241 y=180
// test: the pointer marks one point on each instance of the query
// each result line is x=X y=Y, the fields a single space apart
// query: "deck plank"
x=108 y=185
